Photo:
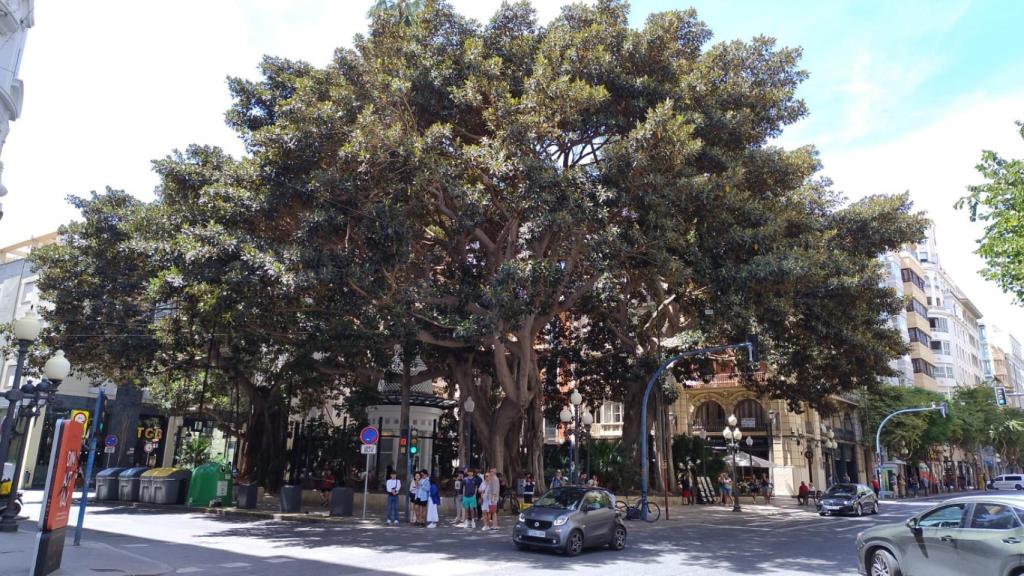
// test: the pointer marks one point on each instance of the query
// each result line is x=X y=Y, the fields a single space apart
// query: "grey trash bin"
x=170 y=486
x=341 y=502
x=247 y=494
x=128 y=484
x=291 y=499
x=106 y=483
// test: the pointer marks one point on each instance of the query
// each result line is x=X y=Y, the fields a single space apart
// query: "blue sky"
x=902 y=95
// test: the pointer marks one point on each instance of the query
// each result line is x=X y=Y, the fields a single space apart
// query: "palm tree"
x=406 y=9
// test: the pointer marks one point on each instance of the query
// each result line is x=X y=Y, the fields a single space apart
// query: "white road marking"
x=188 y=570
x=134 y=545
x=278 y=560
x=236 y=565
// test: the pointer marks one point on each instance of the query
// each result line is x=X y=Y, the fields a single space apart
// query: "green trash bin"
x=210 y=486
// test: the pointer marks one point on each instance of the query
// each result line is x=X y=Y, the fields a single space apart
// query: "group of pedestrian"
x=479 y=498
x=424 y=497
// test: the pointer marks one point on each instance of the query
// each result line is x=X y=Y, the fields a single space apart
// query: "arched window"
x=750 y=414
x=711 y=416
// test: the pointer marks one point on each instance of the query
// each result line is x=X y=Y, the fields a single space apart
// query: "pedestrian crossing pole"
x=93 y=432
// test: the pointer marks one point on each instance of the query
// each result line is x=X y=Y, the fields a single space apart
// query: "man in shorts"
x=493 y=494
x=469 y=497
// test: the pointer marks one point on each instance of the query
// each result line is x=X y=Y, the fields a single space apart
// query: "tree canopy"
x=452 y=189
x=999 y=204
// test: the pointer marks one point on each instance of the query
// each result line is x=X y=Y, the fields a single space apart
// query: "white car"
x=1007 y=482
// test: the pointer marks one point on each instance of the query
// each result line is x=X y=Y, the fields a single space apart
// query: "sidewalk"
x=17 y=548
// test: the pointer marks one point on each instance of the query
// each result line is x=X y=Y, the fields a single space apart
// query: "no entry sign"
x=369 y=435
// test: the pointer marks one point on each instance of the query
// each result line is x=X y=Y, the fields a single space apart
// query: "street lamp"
x=703 y=452
x=573 y=416
x=588 y=421
x=25 y=403
x=733 y=435
x=468 y=408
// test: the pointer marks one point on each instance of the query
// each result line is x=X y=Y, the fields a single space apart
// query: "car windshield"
x=561 y=498
x=842 y=490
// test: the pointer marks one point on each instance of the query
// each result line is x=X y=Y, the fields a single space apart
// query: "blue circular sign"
x=369 y=435
x=110 y=440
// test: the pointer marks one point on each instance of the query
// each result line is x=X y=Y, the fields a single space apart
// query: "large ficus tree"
x=475 y=181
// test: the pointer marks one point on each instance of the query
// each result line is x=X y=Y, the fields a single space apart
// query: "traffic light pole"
x=878 y=433
x=93 y=432
x=407 y=433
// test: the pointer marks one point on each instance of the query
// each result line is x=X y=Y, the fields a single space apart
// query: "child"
x=433 y=504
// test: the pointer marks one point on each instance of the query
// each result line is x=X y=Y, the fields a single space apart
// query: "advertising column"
x=60 y=486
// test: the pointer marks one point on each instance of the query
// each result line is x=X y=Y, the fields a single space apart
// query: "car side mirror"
x=912 y=524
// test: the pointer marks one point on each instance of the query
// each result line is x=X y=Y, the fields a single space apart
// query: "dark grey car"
x=570 y=519
x=856 y=499
x=972 y=535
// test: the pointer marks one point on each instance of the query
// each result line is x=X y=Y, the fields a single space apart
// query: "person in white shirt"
x=393 y=487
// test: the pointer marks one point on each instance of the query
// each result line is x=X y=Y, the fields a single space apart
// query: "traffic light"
x=401 y=445
x=1001 y=396
x=414 y=448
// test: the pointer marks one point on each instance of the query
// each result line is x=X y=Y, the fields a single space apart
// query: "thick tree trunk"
x=263 y=459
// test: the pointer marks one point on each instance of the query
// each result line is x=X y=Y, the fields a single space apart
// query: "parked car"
x=971 y=535
x=570 y=519
x=1007 y=482
x=853 y=499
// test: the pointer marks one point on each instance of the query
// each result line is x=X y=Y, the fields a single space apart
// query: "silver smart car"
x=570 y=519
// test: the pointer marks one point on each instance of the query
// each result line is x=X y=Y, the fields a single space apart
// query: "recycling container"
x=341 y=502
x=164 y=486
x=291 y=499
x=129 y=484
x=106 y=483
x=247 y=494
x=210 y=486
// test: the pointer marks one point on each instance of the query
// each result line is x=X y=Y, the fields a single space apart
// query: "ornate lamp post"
x=588 y=421
x=468 y=408
x=572 y=417
x=732 y=437
x=32 y=398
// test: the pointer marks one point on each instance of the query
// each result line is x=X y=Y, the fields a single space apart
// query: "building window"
x=750 y=414
x=611 y=413
x=910 y=276
x=711 y=416
x=913 y=305
x=918 y=335
x=941 y=346
x=923 y=367
x=939 y=324
x=29 y=294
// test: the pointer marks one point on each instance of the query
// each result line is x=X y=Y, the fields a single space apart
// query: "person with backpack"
x=393 y=487
x=460 y=512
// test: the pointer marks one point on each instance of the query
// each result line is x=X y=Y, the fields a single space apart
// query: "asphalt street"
x=704 y=541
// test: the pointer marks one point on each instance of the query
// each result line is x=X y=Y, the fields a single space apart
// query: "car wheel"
x=618 y=538
x=821 y=513
x=857 y=510
x=883 y=564
x=574 y=545
x=874 y=509
x=1019 y=487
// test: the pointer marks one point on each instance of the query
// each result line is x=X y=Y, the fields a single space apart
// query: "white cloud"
x=112 y=85
x=936 y=164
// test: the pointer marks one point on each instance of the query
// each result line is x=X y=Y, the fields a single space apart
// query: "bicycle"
x=634 y=512
x=513 y=502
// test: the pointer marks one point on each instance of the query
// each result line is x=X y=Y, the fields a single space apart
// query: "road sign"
x=110 y=440
x=149 y=447
x=368 y=449
x=369 y=435
x=109 y=449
